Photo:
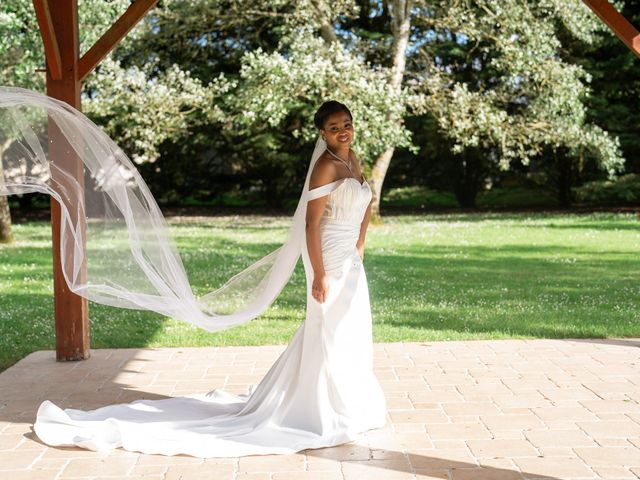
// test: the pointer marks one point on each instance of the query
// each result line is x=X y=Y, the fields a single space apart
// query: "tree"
x=494 y=78
x=615 y=80
x=138 y=106
x=22 y=54
x=239 y=83
x=312 y=63
x=6 y=235
x=141 y=109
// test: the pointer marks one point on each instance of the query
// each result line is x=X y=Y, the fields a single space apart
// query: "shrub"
x=625 y=189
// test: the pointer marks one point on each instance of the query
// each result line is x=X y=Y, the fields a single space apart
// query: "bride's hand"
x=360 y=251
x=320 y=288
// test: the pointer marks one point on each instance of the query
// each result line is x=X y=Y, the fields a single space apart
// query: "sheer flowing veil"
x=112 y=224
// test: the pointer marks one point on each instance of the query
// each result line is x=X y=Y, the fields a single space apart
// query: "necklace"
x=347 y=164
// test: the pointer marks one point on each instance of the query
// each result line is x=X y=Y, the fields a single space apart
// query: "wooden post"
x=71 y=310
x=65 y=72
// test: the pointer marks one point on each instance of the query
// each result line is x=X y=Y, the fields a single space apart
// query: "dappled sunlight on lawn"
x=435 y=276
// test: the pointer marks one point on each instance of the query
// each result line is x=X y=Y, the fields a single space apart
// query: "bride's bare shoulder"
x=324 y=171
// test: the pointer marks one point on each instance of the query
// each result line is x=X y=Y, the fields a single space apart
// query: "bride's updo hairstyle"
x=329 y=108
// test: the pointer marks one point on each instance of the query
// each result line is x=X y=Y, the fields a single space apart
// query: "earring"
x=324 y=138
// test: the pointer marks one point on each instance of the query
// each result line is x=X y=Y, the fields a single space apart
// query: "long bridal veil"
x=111 y=223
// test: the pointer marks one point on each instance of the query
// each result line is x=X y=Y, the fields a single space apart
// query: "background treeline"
x=468 y=103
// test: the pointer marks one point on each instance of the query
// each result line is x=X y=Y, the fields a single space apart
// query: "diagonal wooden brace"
x=617 y=23
x=49 y=40
x=112 y=37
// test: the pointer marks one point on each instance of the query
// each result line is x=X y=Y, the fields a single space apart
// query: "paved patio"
x=463 y=410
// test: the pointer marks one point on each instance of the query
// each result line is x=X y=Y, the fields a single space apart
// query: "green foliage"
x=516 y=197
x=615 y=82
x=211 y=96
x=21 y=49
x=415 y=196
x=142 y=111
x=508 y=197
x=625 y=189
x=500 y=84
x=139 y=106
x=282 y=89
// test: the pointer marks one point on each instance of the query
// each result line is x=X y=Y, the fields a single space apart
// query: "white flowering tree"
x=497 y=84
x=141 y=110
x=509 y=90
x=273 y=85
x=313 y=64
x=138 y=107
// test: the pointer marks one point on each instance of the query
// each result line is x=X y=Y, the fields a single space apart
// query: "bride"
x=321 y=391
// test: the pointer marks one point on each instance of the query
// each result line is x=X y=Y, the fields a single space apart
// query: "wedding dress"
x=320 y=392
x=116 y=249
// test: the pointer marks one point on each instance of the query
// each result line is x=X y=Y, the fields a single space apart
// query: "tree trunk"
x=563 y=164
x=6 y=235
x=400 y=12
x=378 y=173
x=468 y=178
x=5 y=221
x=323 y=15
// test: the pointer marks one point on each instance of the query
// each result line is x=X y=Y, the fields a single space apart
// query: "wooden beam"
x=112 y=37
x=617 y=23
x=71 y=310
x=49 y=40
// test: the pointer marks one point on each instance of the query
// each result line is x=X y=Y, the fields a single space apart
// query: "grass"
x=431 y=277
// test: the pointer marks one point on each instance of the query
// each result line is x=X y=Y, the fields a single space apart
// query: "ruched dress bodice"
x=347 y=202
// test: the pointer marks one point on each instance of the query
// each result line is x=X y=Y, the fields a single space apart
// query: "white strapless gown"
x=320 y=392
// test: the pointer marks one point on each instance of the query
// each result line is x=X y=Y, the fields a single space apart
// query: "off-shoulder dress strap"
x=323 y=190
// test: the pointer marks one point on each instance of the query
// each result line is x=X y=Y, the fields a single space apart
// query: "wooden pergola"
x=66 y=69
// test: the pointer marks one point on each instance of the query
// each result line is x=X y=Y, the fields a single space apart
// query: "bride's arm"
x=322 y=174
x=367 y=214
x=363 y=230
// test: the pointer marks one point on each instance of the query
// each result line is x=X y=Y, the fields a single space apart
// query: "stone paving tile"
x=458 y=410
x=507 y=448
x=512 y=421
x=555 y=467
x=623 y=429
x=627 y=456
x=90 y=467
x=462 y=431
x=483 y=473
x=618 y=473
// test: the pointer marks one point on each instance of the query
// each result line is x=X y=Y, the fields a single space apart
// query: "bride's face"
x=338 y=130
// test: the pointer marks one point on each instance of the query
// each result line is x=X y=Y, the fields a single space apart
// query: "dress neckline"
x=340 y=181
x=364 y=180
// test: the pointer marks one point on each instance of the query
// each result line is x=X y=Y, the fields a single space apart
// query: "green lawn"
x=431 y=277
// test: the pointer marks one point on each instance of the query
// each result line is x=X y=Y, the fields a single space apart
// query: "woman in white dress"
x=320 y=392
